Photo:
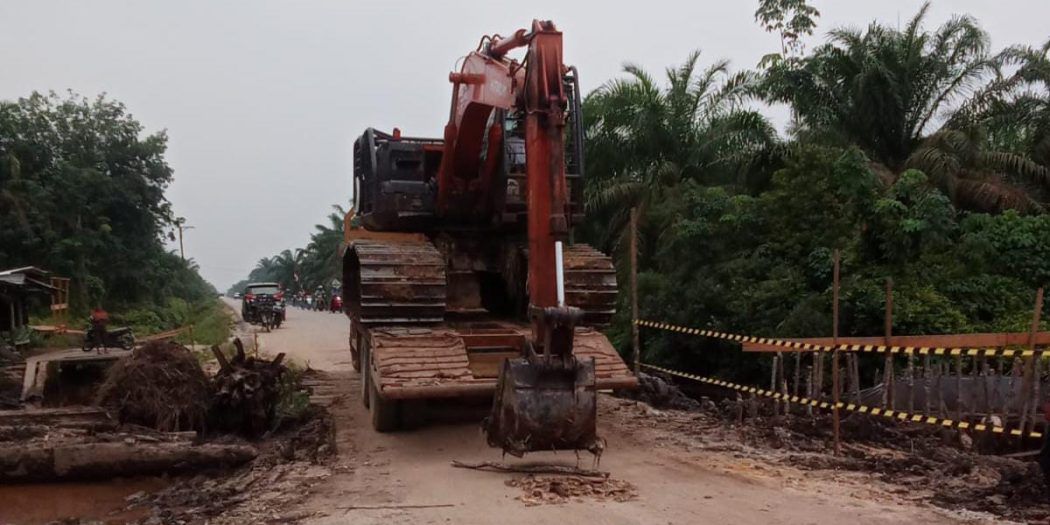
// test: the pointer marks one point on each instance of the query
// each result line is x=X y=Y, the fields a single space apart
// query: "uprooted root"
x=161 y=385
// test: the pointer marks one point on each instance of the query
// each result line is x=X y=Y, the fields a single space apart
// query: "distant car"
x=237 y=295
x=262 y=294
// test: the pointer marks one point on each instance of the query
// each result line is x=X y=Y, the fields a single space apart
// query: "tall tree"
x=83 y=192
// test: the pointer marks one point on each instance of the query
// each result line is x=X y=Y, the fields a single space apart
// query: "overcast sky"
x=262 y=99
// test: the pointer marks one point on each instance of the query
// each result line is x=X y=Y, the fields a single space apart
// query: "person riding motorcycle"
x=99 y=337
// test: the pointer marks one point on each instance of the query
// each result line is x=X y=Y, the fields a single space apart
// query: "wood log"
x=69 y=417
x=531 y=468
x=36 y=463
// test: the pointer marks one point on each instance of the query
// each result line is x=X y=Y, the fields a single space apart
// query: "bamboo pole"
x=1016 y=367
x=798 y=372
x=942 y=370
x=809 y=389
x=855 y=379
x=887 y=379
x=783 y=380
x=773 y=381
x=635 y=339
x=926 y=380
x=835 y=380
x=1037 y=368
x=911 y=382
x=1026 y=384
x=784 y=391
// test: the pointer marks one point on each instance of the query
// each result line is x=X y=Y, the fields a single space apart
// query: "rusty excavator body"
x=460 y=276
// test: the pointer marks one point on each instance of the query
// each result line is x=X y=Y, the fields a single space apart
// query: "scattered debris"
x=265 y=490
x=396 y=506
x=161 y=385
x=540 y=490
x=532 y=468
x=659 y=393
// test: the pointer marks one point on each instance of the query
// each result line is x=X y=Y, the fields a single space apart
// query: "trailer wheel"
x=384 y=411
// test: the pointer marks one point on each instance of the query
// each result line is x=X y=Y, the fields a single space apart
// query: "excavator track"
x=396 y=283
x=590 y=284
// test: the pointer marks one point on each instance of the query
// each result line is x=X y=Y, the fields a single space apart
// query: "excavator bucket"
x=545 y=406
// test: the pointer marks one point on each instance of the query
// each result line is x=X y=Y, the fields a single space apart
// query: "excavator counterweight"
x=460 y=276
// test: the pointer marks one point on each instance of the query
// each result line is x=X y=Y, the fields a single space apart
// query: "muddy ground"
x=664 y=465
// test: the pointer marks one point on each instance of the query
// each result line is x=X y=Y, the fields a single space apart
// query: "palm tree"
x=883 y=89
x=975 y=177
x=322 y=257
x=286 y=267
x=907 y=97
x=1018 y=109
x=643 y=139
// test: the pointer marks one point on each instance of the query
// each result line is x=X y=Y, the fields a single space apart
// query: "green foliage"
x=645 y=140
x=82 y=194
x=293 y=401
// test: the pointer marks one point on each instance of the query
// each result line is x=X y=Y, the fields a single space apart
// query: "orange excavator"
x=460 y=274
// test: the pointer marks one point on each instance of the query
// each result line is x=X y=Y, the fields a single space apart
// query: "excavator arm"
x=546 y=399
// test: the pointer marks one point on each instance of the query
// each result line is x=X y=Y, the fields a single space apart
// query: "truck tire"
x=384 y=411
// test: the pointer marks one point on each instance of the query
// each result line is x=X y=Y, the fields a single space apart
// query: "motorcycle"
x=98 y=337
x=336 y=305
x=279 y=314
x=269 y=314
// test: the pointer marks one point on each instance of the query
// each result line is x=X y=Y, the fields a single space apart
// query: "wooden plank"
x=402 y=360
x=494 y=340
x=413 y=367
x=428 y=373
x=488 y=364
x=386 y=353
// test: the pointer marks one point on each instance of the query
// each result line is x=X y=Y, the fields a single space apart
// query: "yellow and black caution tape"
x=853 y=407
x=912 y=350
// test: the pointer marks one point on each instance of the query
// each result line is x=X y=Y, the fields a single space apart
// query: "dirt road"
x=675 y=482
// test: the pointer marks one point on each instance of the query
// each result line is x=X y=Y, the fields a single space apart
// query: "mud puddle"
x=103 y=501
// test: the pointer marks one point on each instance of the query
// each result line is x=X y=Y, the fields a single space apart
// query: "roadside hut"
x=17 y=287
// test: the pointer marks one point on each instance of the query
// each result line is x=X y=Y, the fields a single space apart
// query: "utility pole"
x=180 y=224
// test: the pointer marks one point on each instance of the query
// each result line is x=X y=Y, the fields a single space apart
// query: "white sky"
x=262 y=99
